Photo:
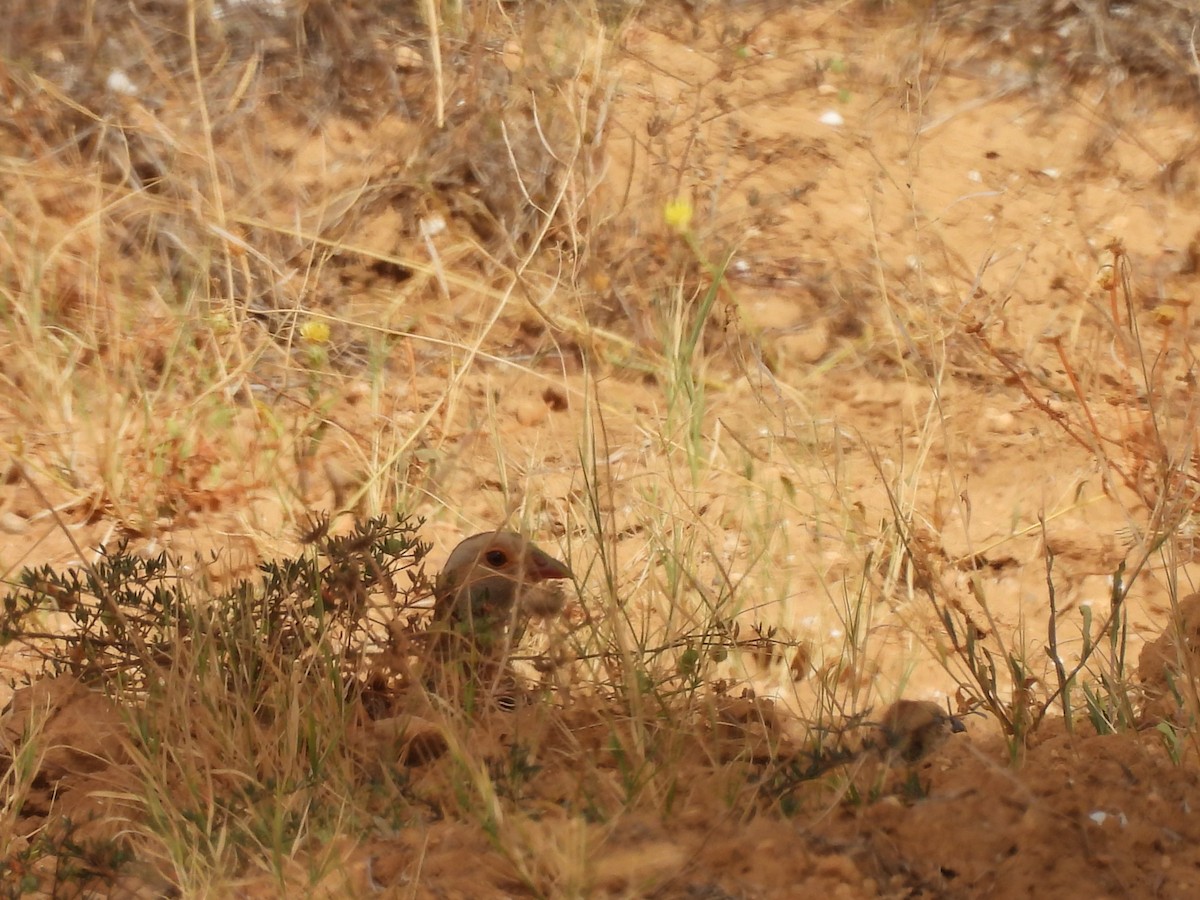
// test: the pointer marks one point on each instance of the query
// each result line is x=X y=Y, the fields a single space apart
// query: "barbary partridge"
x=492 y=581
x=911 y=729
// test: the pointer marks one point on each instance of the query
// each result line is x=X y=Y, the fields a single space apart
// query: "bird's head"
x=487 y=573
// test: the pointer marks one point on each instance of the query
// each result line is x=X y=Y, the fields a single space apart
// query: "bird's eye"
x=496 y=558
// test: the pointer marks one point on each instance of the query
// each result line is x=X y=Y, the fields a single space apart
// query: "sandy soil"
x=919 y=226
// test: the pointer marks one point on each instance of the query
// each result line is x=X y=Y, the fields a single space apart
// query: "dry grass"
x=1152 y=43
x=206 y=318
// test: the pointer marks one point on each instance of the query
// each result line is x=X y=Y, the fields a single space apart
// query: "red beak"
x=544 y=567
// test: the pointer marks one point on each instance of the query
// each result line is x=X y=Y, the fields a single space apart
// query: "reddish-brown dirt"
x=909 y=211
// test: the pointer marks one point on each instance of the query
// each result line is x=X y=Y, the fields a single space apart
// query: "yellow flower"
x=315 y=332
x=678 y=215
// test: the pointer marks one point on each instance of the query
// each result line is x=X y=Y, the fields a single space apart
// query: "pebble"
x=807 y=346
x=532 y=412
x=11 y=523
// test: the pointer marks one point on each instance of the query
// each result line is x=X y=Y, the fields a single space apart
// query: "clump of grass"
x=126 y=615
x=238 y=705
x=1145 y=457
x=168 y=253
x=253 y=728
x=1151 y=45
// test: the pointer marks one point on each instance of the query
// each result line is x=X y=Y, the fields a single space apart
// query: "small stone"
x=555 y=399
x=11 y=523
x=407 y=58
x=807 y=346
x=1001 y=422
x=513 y=56
x=119 y=83
x=532 y=412
x=356 y=391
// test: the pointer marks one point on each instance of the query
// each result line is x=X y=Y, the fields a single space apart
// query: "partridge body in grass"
x=912 y=729
x=492 y=581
